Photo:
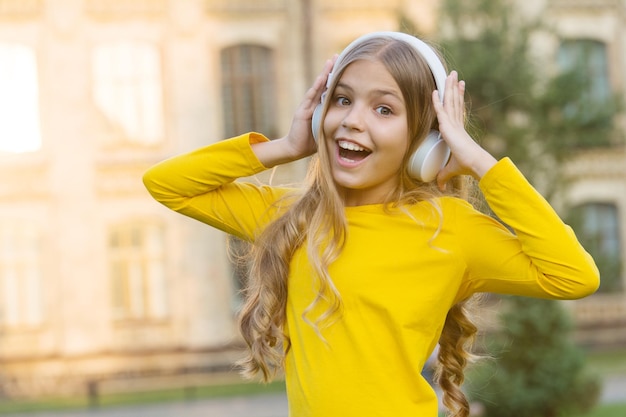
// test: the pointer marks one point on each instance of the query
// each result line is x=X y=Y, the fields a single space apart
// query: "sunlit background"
x=19 y=102
x=99 y=284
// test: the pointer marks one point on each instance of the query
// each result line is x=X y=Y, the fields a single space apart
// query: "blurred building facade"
x=98 y=280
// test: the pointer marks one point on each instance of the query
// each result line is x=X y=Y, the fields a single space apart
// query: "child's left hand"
x=467 y=157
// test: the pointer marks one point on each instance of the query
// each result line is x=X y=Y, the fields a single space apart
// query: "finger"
x=456 y=98
x=461 y=115
x=461 y=94
x=450 y=170
x=442 y=178
x=437 y=104
x=314 y=93
x=450 y=96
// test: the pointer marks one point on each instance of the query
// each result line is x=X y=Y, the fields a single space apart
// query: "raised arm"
x=541 y=258
x=201 y=184
x=298 y=143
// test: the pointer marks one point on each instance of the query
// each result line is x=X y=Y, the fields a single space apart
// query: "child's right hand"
x=300 y=136
x=299 y=142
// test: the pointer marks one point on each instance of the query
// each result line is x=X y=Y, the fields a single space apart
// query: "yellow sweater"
x=396 y=284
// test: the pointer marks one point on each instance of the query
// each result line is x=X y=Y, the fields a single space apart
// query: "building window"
x=137 y=262
x=248 y=90
x=588 y=59
x=127 y=89
x=20 y=276
x=597 y=226
x=19 y=99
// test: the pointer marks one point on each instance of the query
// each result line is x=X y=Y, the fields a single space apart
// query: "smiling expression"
x=366 y=133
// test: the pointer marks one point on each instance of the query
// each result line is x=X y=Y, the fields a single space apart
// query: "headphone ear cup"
x=429 y=158
x=316 y=122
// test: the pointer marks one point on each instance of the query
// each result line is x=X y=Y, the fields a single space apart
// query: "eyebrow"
x=378 y=92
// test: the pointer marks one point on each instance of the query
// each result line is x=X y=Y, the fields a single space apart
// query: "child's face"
x=366 y=133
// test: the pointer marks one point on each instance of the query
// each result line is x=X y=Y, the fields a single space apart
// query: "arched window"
x=19 y=99
x=597 y=226
x=248 y=97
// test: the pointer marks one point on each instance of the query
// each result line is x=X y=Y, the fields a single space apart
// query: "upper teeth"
x=350 y=146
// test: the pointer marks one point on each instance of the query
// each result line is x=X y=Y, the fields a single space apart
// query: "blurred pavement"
x=274 y=405
x=614 y=389
x=269 y=405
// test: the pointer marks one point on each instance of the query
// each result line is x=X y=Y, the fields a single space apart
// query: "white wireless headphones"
x=433 y=153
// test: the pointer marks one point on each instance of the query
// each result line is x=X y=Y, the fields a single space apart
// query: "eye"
x=342 y=101
x=383 y=110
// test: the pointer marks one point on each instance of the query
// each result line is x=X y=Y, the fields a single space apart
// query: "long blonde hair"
x=316 y=219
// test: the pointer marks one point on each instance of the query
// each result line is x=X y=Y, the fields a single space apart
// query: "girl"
x=356 y=278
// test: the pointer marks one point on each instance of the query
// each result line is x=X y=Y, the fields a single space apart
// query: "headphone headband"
x=429 y=55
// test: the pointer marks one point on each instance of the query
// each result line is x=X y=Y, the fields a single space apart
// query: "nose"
x=353 y=118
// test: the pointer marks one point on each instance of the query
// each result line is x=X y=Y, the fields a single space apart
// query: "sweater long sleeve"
x=201 y=185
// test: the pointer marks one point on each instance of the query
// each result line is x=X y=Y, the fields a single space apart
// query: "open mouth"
x=351 y=152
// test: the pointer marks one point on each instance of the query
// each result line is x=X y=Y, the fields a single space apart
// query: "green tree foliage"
x=519 y=105
x=537 y=371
